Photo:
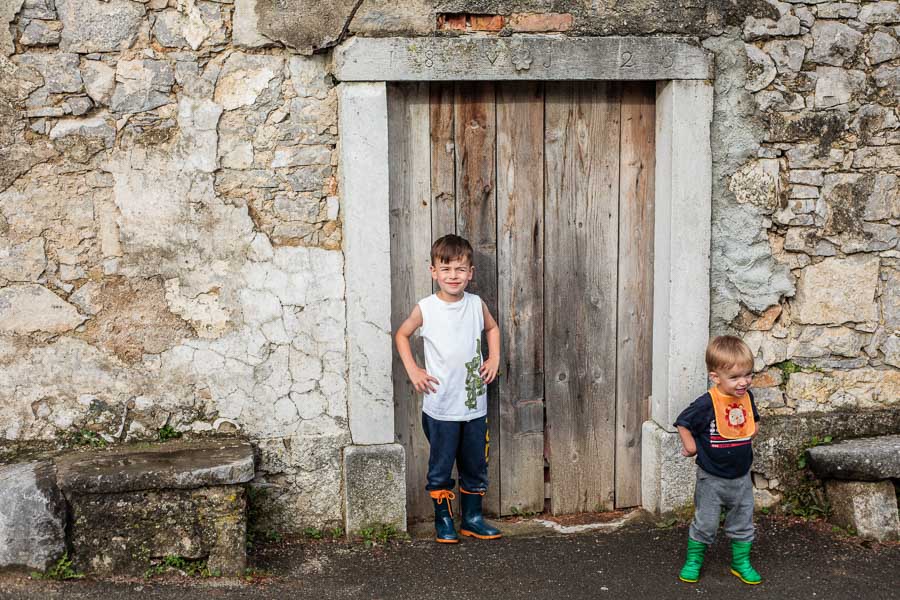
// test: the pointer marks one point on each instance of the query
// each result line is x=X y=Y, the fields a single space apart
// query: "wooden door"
x=552 y=184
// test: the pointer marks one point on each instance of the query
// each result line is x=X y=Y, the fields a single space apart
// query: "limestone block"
x=128 y=532
x=877 y=157
x=887 y=77
x=8 y=10
x=38 y=9
x=59 y=70
x=891 y=349
x=787 y=54
x=394 y=17
x=667 y=477
x=175 y=465
x=761 y=69
x=244 y=77
x=22 y=262
x=865 y=459
x=835 y=86
x=871 y=120
x=886 y=11
x=822 y=341
x=837 y=290
x=758 y=183
x=868 y=508
x=324 y=23
x=141 y=85
x=375 y=486
x=41 y=33
x=833 y=43
x=29 y=308
x=883 y=47
x=838 y=10
x=765 y=499
x=99 y=80
x=763 y=29
x=99 y=26
x=245 y=26
x=32 y=516
x=862 y=388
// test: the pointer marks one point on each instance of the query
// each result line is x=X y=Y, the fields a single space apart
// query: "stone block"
x=869 y=508
x=175 y=465
x=375 y=486
x=32 y=516
x=667 y=477
x=128 y=532
x=97 y=26
x=867 y=459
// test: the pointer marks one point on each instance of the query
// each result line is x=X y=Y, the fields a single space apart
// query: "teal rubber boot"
x=690 y=572
x=740 y=563
x=444 y=530
x=473 y=523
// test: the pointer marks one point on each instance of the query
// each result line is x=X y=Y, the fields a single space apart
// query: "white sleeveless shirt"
x=452 y=335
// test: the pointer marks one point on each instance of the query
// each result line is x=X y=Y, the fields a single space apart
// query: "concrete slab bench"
x=129 y=506
x=857 y=475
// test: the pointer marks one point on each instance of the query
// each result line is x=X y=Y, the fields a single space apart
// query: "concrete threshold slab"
x=539 y=527
x=634 y=515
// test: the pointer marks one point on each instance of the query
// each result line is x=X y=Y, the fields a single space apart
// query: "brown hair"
x=726 y=351
x=450 y=247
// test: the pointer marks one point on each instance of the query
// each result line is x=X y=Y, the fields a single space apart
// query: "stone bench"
x=130 y=506
x=857 y=475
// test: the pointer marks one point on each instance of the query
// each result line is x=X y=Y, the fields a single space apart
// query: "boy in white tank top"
x=454 y=382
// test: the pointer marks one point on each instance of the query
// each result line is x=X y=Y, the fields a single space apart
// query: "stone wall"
x=170 y=250
x=170 y=218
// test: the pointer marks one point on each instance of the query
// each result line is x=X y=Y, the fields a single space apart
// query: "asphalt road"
x=797 y=561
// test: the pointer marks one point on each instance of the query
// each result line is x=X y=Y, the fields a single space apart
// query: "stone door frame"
x=682 y=223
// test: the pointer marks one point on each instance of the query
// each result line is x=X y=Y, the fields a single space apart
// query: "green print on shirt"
x=474 y=382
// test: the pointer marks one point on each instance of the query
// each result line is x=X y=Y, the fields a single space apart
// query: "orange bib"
x=734 y=416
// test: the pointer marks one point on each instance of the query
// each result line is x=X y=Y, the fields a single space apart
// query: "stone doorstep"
x=131 y=505
x=870 y=508
x=865 y=459
x=128 y=505
x=181 y=464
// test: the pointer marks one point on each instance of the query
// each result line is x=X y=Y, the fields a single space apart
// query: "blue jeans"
x=465 y=442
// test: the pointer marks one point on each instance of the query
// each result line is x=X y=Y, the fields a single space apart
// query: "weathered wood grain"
x=475 y=137
x=521 y=57
x=580 y=257
x=410 y=227
x=520 y=241
x=443 y=160
x=635 y=305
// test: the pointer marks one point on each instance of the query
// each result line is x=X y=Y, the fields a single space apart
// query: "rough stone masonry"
x=171 y=219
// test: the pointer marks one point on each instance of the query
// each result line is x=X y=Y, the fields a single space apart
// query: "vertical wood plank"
x=580 y=257
x=476 y=220
x=520 y=191
x=635 y=312
x=410 y=226
x=443 y=161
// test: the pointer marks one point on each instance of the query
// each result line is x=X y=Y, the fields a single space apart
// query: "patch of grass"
x=806 y=498
x=518 y=512
x=378 y=533
x=788 y=368
x=313 y=533
x=336 y=533
x=84 y=437
x=61 y=570
x=167 y=432
x=186 y=566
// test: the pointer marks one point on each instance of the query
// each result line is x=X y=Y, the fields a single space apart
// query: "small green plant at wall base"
x=337 y=533
x=85 y=437
x=168 y=433
x=378 y=534
x=187 y=566
x=815 y=441
x=61 y=570
x=788 y=368
x=313 y=533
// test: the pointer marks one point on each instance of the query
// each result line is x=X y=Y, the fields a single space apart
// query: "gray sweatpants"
x=710 y=495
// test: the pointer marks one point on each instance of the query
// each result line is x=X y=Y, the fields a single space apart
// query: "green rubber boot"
x=740 y=563
x=690 y=572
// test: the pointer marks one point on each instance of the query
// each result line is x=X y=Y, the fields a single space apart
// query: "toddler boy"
x=718 y=427
x=454 y=380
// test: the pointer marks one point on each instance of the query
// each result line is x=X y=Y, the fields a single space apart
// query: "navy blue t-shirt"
x=716 y=455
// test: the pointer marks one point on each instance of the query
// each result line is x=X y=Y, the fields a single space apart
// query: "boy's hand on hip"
x=423 y=382
x=488 y=370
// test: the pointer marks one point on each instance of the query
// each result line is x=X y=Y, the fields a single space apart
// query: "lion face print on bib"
x=734 y=415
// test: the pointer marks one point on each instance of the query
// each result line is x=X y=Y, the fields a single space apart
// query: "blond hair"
x=727 y=351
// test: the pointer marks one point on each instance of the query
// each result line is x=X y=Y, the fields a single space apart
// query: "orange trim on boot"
x=472 y=493
x=468 y=533
x=442 y=495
